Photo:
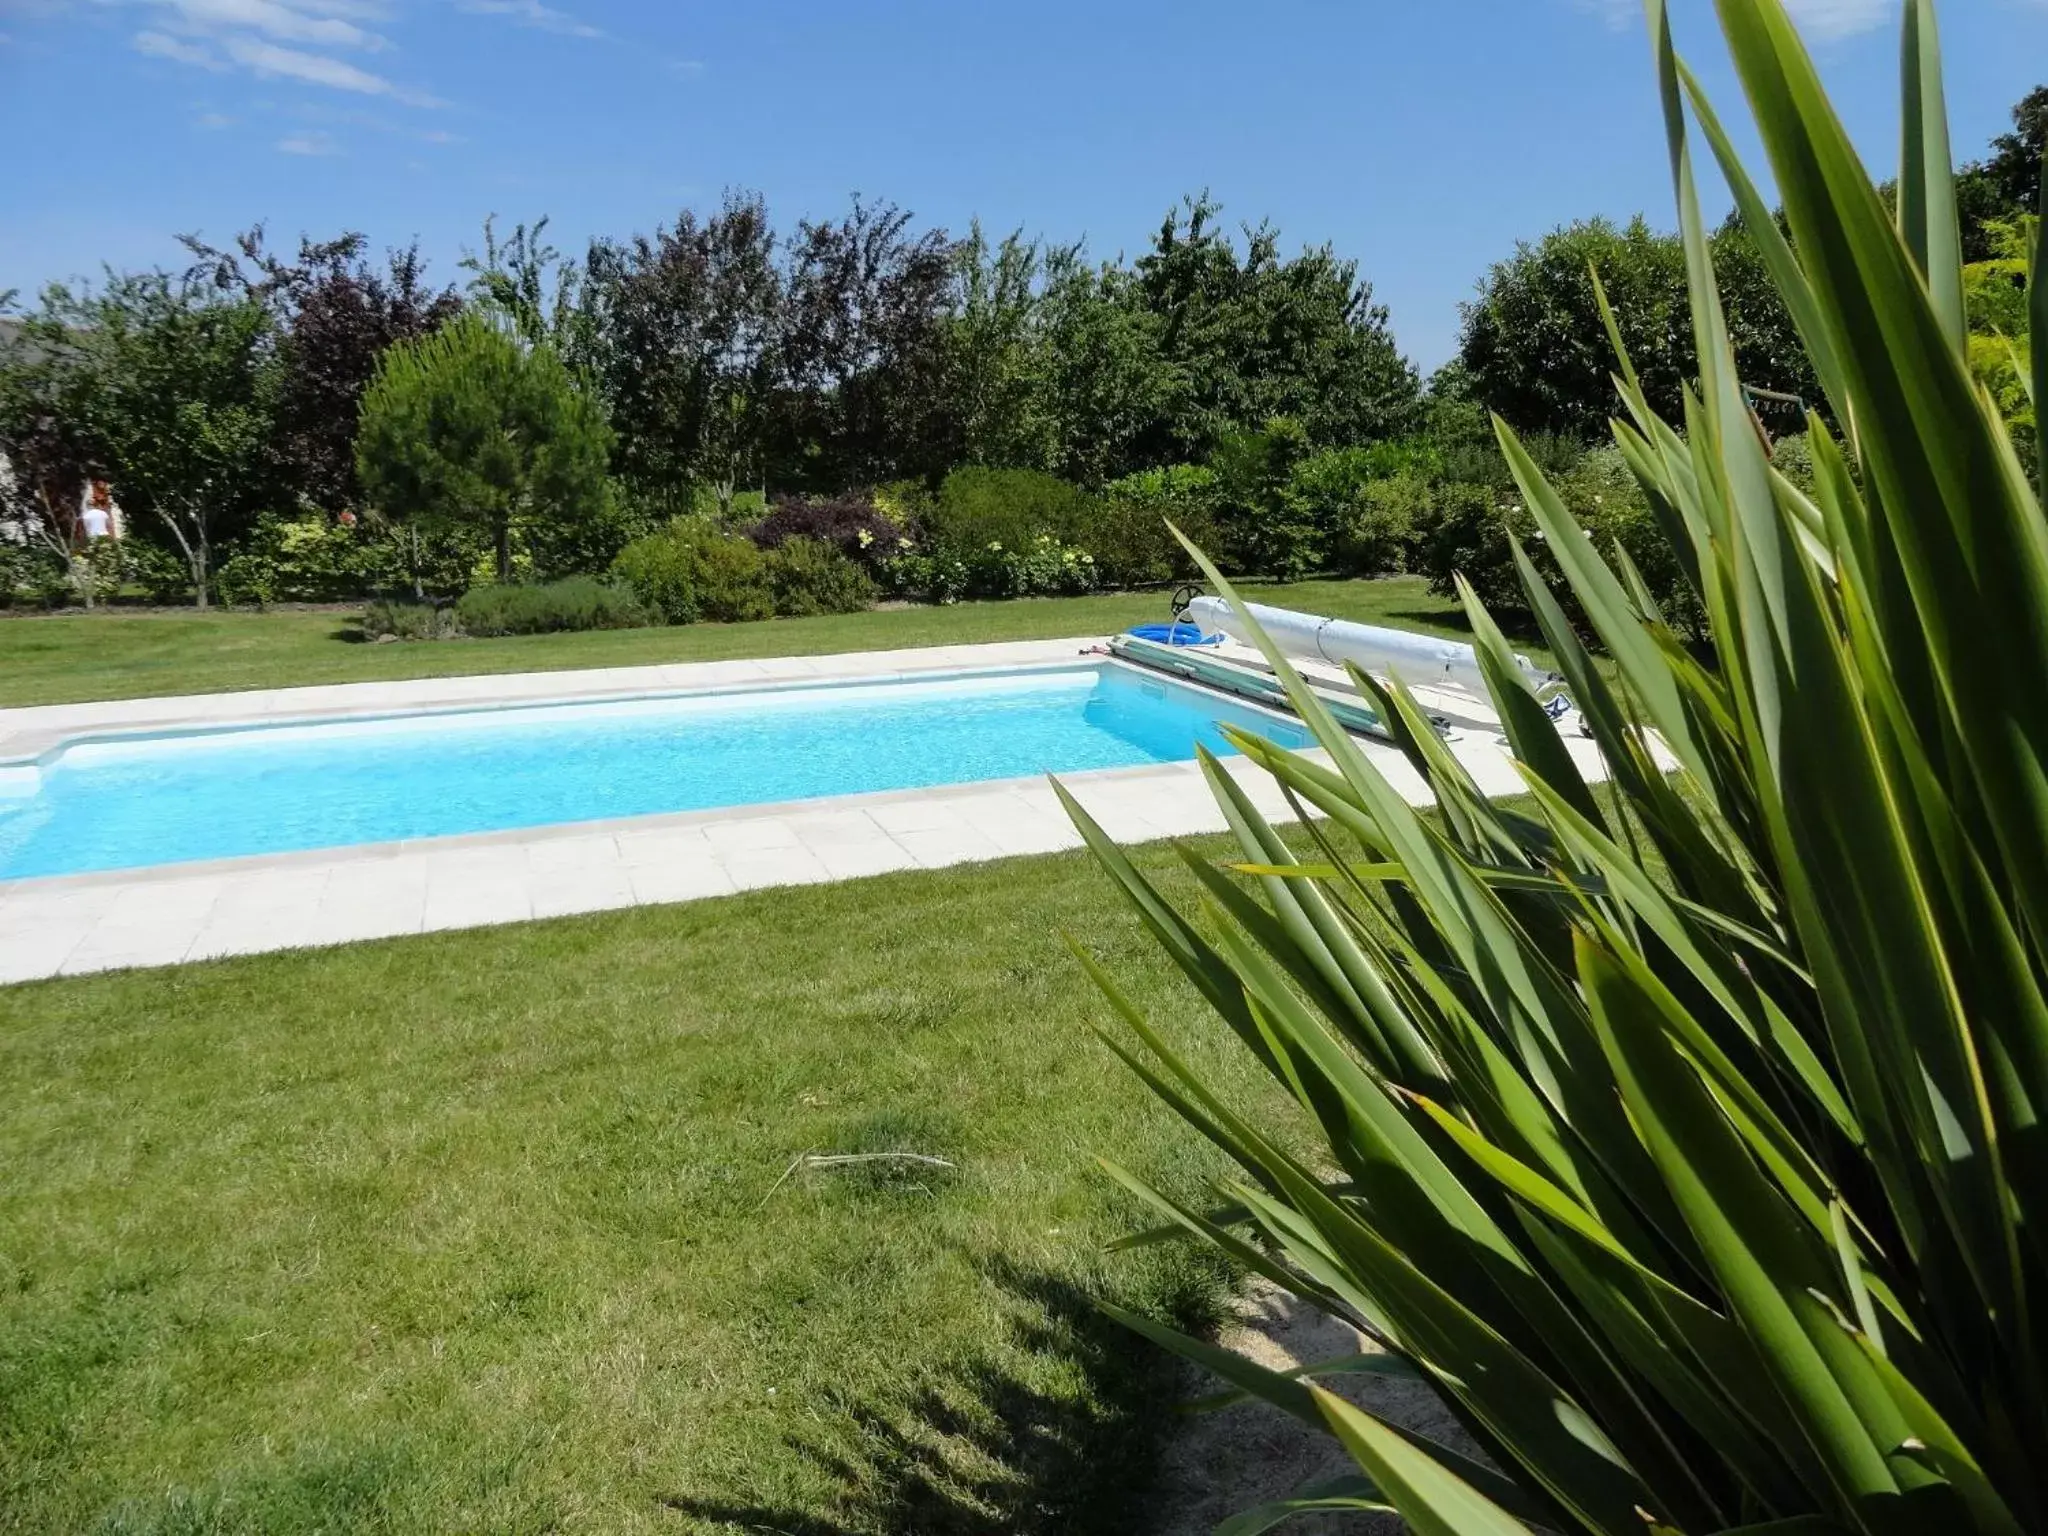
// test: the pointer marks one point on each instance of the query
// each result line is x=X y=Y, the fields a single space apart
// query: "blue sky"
x=1423 y=137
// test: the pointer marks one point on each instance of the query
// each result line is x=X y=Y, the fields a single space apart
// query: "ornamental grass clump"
x=1686 y=1133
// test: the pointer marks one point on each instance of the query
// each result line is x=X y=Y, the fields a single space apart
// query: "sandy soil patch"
x=1250 y=1454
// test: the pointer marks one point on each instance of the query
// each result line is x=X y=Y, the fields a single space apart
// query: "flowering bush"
x=924 y=577
x=1042 y=568
x=978 y=506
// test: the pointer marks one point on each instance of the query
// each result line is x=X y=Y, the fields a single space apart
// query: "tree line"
x=722 y=361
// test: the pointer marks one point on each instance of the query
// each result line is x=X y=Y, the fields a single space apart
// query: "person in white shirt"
x=98 y=517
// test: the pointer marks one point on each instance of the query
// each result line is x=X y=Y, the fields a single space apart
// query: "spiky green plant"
x=1687 y=1133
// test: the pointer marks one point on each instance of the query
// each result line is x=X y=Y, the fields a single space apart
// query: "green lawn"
x=59 y=659
x=482 y=1231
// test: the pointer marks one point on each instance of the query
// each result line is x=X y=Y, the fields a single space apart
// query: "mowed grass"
x=489 y=1230
x=77 y=657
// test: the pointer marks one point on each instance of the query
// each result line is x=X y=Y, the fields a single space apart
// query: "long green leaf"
x=1927 y=184
x=1432 y=1497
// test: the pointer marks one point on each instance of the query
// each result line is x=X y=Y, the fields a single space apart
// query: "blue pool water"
x=209 y=795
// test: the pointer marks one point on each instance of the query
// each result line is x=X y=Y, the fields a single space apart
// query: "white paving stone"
x=680 y=880
x=455 y=901
x=584 y=890
x=242 y=906
x=1019 y=822
x=854 y=861
x=163 y=904
x=655 y=847
x=936 y=812
x=831 y=829
x=752 y=868
x=374 y=899
x=113 y=949
x=27 y=956
x=573 y=855
x=275 y=894
x=753 y=834
x=943 y=846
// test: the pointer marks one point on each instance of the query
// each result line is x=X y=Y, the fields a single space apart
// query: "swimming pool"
x=165 y=799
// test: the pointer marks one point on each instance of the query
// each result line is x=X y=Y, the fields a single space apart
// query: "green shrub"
x=732 y=581
x=1423 y=456
x=661 y=570
x=305 y=560
x=1792 y=457
x=1129 y=536
x=690 y=571
x=1375 y=532
x=1471 y=530
x=1133 y=547
x=153 y=573
x=567 y=546
x=1469 y=462
x=1461 y=527
x=316 y=559
x=440 y=560
x=991 y=533
x=976 y=507
x=1263 y=530
x=1362 y=511
x=748 y=507
x=397 y=619
x=808 y=576
x=576 y=602
x=1043 y=568
x=1683 y=1132
x=1178 y=491
x=928 y=578
x=31 y=577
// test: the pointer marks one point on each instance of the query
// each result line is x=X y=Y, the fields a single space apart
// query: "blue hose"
x=1174 y=634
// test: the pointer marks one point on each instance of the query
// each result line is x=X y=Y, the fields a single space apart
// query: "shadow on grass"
x=1448 y=617
x=1515 y=623
x=980 y=1452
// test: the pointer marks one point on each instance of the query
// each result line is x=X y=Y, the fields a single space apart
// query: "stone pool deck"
x=66 y=925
